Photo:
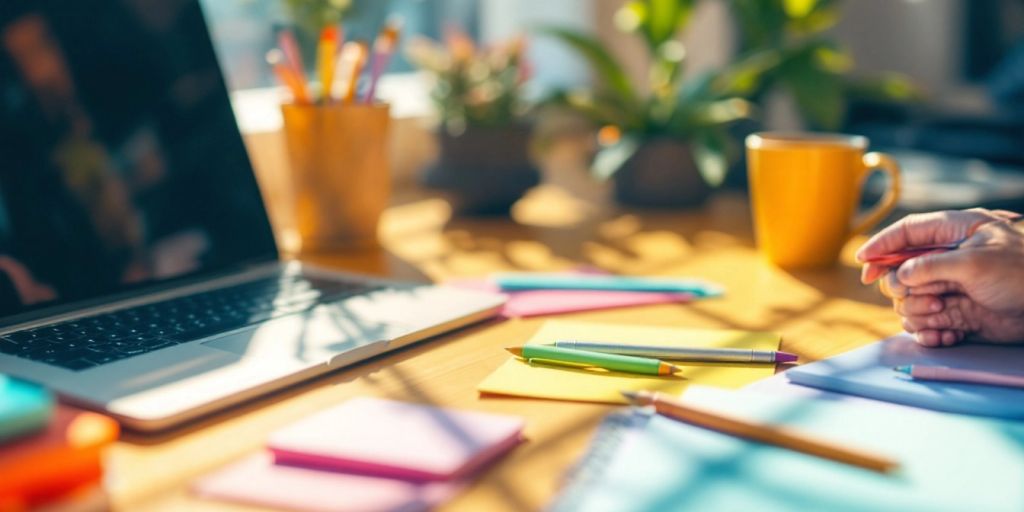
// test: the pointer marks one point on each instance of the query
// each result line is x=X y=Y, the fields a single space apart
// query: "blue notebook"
x=24 y=408
x=948 y=463
x=868 y=372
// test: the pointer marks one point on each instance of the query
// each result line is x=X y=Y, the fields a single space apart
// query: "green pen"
x=614 y=362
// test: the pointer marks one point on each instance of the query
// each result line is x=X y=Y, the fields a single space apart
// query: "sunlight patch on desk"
x=552 y=207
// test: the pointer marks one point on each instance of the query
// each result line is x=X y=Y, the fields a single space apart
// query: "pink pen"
x=942 y=373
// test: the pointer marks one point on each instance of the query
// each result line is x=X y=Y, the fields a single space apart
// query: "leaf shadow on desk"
x=361 y=370
x=652 y=243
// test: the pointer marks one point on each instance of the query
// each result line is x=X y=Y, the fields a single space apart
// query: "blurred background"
x=939 y=83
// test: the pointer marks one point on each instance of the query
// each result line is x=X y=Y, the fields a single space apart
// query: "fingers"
x=891 y=287
x=954 y=266
x=937 y=338
x=925 y=229
x=1003 y=214
x=938 y=288
x=918 y=305
x=871 y=272
x=957 y=313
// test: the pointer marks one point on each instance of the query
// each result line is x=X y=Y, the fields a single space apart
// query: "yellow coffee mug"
x=804 y=190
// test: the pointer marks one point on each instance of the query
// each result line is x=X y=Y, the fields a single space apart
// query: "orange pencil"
x=287 y=76
x=763 y=433
x=383 y=48
x=327 y=50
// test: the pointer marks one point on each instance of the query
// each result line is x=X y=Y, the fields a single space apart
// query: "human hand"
x=970 y=292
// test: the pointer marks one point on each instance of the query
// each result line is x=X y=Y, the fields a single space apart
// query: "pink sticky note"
x=552 y=302
x=258 y=481
x=397 y=440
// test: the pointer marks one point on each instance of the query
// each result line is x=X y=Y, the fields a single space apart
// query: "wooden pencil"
x=763 y=433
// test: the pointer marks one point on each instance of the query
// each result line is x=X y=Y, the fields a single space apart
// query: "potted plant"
x=484 y=160
x=784 y=48
x=668 y=146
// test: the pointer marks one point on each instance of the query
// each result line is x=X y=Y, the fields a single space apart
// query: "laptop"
x=138 y=271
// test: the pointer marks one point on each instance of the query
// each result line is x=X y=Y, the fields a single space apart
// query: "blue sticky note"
x=868 y=372
x=24 y=407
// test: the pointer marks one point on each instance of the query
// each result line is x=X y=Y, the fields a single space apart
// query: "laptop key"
x=104 y=338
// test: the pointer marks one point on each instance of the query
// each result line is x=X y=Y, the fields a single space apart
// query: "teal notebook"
x=24 y=408
x=651 y=463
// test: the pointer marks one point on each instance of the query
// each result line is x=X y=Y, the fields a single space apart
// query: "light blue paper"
x=513 y=281
x=948 y=463
x=868 y=372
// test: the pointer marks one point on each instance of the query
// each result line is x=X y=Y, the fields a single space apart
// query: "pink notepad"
x=258 y=481
x=396 y=440
x=552 y=302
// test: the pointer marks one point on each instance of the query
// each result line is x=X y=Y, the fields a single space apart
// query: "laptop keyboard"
x=92 y=341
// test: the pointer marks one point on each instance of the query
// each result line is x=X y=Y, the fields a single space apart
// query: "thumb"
x=952 y=266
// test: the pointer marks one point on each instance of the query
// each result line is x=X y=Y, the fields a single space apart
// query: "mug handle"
x=880 y=161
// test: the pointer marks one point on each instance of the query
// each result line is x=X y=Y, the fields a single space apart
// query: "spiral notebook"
x=651 y=463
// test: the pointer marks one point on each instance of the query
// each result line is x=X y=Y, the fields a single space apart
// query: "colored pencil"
x=939 y=373
x=327 y=58
x=292 y=56
x=383 y=47
x=287 y=76
x=780 y=436
x=676 y=353
x=582 y=358
x=350 y=66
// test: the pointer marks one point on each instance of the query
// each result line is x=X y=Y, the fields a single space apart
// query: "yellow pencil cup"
x=340 y=172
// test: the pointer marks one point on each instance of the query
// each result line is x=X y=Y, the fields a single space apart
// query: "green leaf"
x=599 y=110
x=665 y=17
x=819 y=93
x=710 y=153
x=610 y=159
x=717 y=113
x=798 y=8
x=656 y=20
x=891 y=87
x=746 y=76
x=607 y=67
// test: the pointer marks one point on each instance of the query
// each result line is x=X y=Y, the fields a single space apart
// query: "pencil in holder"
x=340 y=172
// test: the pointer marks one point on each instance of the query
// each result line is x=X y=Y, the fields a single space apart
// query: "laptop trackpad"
x=314 y=336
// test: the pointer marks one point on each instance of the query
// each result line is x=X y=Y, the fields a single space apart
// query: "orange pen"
x=287 y=76
x=327 y=57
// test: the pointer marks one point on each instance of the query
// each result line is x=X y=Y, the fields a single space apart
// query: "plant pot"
x=661 y=174
x=484 y=170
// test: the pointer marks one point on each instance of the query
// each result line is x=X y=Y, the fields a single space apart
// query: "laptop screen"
x=121 y=165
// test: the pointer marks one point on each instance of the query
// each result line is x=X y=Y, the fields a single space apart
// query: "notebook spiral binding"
x=603 y=447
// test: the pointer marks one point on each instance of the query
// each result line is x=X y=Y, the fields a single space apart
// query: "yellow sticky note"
x=519 y=378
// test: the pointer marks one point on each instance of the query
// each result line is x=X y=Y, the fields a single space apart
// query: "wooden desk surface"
x=819 y=313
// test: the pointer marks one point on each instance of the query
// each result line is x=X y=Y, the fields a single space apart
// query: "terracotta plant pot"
x=484 y=170
x=661 y=174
